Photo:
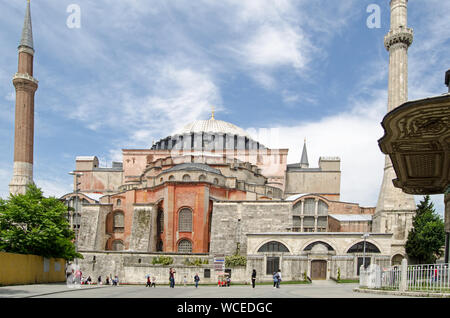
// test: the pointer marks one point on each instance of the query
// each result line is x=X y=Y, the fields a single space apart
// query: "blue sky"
x=284 y=70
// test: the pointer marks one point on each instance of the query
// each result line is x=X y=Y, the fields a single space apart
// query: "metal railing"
x=429 y=277
x=425 y=277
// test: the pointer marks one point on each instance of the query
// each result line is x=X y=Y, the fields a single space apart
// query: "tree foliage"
x=427 y=237
x=33 y=224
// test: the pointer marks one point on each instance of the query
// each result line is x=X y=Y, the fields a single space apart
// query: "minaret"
x=25 y=85
x=394 y=207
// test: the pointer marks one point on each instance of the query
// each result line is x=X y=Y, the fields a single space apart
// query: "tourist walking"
x=196 y=280
x=153 y=282
x=99 y=281
x=172 y=277
x=149 y=283
x=184 y=280
x=278 y=278
x=253 y=278
x=275 y=279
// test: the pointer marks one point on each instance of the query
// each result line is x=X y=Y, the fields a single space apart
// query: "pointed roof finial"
x=304 y=161
x=27 y=31
x=212 y=113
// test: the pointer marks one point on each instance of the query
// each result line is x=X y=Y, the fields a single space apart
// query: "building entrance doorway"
x=318 y=270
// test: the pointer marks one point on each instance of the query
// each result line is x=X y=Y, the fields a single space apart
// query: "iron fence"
x=429 y=277
x=425 y=277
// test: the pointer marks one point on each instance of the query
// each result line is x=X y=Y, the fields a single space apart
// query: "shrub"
x=235 y=260
x=163 y=260
x=195 y=262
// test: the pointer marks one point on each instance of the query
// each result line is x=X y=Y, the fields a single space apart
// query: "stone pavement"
x=318 y=289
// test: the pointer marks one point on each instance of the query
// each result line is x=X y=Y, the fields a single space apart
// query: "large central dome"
x=212 y=126
x=208 y=135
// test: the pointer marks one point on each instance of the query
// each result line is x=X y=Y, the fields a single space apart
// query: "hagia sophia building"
x=211 y=189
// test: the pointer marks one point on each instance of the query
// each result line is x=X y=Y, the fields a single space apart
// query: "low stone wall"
x=132 y=268
x=20 y=269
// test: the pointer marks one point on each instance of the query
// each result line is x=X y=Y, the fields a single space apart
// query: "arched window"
x=119 y=202
x=186 y=177
x=117 y=245
x=359 y=248
x=273 y=246
x=322 y=208
x=216 y=181
x=202 y=178
x=310 y=206
x=171 y=178
x=185 y=246
x=185 y=220
x=118 y=222
x=312 y=245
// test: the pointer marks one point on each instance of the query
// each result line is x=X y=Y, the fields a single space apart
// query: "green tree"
x=33 y=224
x=427 y=237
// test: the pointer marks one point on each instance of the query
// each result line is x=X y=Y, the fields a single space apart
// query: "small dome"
x=212 y=126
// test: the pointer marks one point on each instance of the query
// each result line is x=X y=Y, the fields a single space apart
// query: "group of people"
x=151 y=280
x=75 y=277
x=109 y=280
x=276 y=278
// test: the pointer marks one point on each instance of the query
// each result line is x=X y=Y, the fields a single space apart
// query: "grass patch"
x=348 y=281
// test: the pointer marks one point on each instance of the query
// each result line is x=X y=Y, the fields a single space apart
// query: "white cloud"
x=352 y=136
x=274 y=47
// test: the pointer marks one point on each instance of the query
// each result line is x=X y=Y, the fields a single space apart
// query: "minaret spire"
x=27 y=31
x=394 y=206
x=26 y=86
x=304 y=161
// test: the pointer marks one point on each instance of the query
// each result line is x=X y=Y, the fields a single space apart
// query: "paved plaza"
x=318 y=289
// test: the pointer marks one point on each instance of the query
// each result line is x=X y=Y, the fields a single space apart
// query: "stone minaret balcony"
x=401 y=35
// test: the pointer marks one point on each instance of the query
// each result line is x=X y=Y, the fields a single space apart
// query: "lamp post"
x=365 y=236
x=76 y=174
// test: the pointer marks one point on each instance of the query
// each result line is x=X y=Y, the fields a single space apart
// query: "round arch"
x=184 y=245
x=359 y=247
x=273 y=246
x=311 y=245
x=313 y=241
x=397 y=259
